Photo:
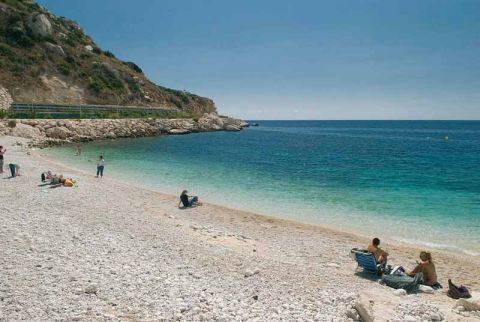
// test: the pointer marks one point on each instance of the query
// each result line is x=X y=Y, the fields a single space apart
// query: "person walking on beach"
x=14 y=169
x=100 y=166
x=2 y=152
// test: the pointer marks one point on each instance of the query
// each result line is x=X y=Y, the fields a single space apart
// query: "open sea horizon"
x=411 y=181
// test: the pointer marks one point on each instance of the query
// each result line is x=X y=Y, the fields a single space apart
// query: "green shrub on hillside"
x=7 y=52
x=18 y=70
x=15 y=4
x=70 y=59
x=183 y=97
x=109 y=54
x=176 y=102
x=96 y=85
x=76 y=37
x=3 y=114
x=85 y=56
x=132 y=83
x=16 y=36
x=64 y=69
x=105 y=79
x=102 y=83
x=133 y=66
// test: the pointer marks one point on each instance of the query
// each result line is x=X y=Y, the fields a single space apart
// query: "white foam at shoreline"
x=436 y=246
x=340 y=218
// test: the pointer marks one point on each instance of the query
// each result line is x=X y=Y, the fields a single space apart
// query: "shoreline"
x=402 y=246
x=403 y=242
x=211 y=261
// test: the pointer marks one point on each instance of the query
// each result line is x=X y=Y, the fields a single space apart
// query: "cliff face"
x=49 y=59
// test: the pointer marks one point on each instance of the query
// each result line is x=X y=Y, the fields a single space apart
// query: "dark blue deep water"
x=414 y=181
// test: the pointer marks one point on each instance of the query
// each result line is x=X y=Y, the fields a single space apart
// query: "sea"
x=415 y=182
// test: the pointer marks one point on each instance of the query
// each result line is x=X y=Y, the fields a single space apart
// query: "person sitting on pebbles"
x=187 y=201
x=46 y=176
x=380 y=254
x=427 y=268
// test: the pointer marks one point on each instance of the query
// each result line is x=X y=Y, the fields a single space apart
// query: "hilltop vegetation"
x=49 y=59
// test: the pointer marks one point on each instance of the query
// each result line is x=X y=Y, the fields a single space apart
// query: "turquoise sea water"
x=400 y=180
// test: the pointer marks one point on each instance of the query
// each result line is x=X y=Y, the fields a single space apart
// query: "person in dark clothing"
x=186 y=201
x=14 y=169
x=2 y=152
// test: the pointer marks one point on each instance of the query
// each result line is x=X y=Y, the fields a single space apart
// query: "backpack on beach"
x=456 y=292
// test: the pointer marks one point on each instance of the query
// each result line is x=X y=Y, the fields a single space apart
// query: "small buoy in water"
x=446 y=138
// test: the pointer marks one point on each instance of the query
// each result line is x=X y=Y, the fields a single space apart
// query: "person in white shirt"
x=100 y=166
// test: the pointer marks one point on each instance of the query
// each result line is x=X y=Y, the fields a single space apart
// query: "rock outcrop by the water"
x=52 y=132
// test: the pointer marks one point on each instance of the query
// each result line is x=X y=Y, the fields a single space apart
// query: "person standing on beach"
x=14 y=169
x=2 y=152
x=100 y=166
x=79 y=150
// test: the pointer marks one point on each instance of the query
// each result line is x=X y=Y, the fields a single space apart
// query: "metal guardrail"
x=25 y=110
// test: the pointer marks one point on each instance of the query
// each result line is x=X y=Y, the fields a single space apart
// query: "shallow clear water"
x=396 y=179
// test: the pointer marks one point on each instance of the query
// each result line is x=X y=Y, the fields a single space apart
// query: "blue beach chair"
x=366 y=260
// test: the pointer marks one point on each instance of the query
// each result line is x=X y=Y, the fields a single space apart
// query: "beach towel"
x=409 y=284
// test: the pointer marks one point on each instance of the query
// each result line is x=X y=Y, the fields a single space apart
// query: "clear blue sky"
x=303 y=59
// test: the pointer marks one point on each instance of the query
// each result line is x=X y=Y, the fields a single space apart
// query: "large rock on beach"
x=58 y=133
x=26 y=131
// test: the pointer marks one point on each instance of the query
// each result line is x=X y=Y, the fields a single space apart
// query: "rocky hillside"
x=49 y=59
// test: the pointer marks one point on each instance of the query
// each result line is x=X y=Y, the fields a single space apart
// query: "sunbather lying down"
x=58 y=181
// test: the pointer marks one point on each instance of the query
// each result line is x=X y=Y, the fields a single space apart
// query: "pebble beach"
x=112 y=250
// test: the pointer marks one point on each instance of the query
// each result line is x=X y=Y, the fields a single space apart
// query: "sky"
x=302 y=59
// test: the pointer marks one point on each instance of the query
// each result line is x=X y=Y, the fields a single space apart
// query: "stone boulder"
x=26 y=131
x=60 y=133
x=39 y=25
x=54 y=49
x=231 y=127
x=109 y=70
x=3 y=128
x=210 y=122
x=178 y=131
